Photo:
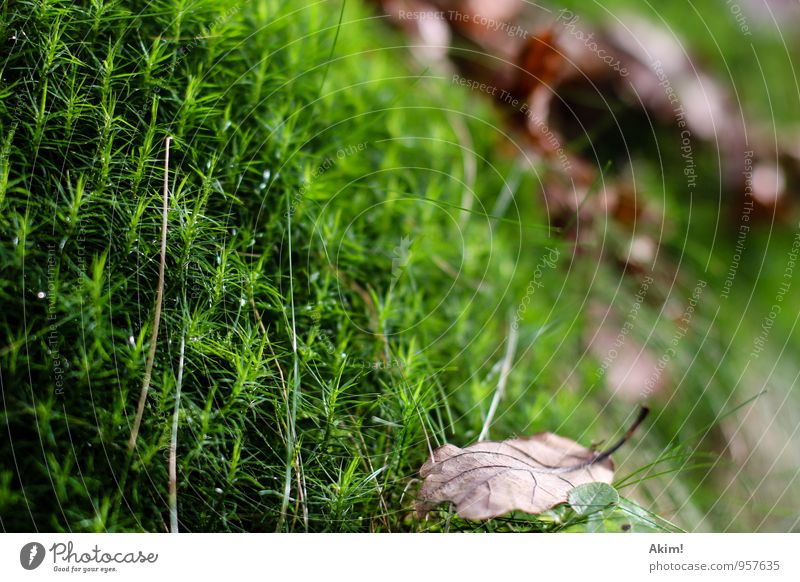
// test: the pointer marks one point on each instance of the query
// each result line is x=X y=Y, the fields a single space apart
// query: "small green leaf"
x=590 y=498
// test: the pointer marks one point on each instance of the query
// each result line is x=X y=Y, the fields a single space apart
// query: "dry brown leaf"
x=533 y=474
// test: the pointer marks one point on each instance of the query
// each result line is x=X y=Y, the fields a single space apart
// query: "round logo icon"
x=31 y=555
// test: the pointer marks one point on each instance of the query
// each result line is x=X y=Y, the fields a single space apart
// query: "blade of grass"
x=173 y=445
x=511 y=346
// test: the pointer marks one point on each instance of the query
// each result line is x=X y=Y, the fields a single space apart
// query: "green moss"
x=267 y=114
x=343 y=281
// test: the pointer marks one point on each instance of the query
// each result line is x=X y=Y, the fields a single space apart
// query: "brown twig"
x=151 y=355
x=601 y=456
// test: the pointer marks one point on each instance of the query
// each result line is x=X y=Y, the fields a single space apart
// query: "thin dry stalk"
x=173 y=446
x=511 y=346
x=151 y=355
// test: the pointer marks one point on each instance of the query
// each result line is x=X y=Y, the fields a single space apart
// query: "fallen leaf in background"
x=550 y=61
x=431 y=34
x=533 y=474
x=625 y=363
x=541 y=64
